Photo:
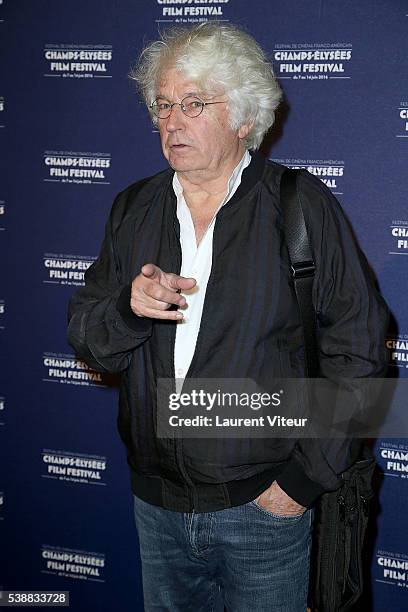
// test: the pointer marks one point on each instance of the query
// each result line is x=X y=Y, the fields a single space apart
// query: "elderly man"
x=193 y=281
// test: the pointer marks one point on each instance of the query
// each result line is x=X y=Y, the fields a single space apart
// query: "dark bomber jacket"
x=250 y=328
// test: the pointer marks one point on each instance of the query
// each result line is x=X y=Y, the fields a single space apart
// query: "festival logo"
x=399 y=237
x=75 y=468
x=393 y=459
x=2 y=311
x=329 y=171
x=71 y=563
x=313 y=61
x=66 y=369
x=1 y=505
x=80 y=168
x=66 y=269
x=193 y=11
x=78 y=61
x=398 y=347
x=2 y=104
x=2 y=213
x=392 y=568
x=403 y=120
x=2 y=410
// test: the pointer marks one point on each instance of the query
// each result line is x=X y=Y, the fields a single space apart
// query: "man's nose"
x=176 y=119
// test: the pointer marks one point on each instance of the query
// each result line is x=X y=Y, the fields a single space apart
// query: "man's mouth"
x=178 y=146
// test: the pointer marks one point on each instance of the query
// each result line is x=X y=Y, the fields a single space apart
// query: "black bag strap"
x=302 y=265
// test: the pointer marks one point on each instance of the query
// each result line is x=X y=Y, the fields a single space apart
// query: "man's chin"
x=181 y=160
x=180 y=165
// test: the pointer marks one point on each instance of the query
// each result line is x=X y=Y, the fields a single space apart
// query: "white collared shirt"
x=196 y=263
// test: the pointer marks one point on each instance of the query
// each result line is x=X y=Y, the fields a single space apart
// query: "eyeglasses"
x=190 y=105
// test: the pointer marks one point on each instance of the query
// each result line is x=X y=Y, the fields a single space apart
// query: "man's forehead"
x=170 y=80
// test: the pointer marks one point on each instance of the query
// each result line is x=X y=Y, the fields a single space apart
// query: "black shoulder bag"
x=341 y=516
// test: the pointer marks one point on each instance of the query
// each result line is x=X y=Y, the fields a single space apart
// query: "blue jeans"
x=244 y=558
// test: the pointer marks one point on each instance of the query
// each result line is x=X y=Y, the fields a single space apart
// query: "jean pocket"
x=284 y=518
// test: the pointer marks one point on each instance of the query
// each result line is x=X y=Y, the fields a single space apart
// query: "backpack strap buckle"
x=303 y=269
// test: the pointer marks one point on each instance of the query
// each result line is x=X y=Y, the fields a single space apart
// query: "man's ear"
x=245 y=129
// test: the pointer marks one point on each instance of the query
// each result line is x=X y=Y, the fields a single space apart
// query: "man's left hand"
x=274 y=499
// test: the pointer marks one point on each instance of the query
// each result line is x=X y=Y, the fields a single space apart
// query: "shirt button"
x=180 y=372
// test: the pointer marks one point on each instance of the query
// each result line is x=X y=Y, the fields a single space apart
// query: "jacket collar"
x=250 y=176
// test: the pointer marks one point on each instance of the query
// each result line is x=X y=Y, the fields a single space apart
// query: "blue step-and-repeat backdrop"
x=73 y=133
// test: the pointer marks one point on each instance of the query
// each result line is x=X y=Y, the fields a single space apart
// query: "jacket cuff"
x=142 y=325
x=294 y=481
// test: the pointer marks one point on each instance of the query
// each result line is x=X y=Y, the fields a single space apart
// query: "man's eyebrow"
x=185 y=94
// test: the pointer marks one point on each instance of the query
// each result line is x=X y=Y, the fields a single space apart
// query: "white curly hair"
x=218 y=57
